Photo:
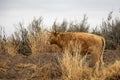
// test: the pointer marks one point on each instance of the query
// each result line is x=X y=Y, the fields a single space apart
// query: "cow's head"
x=53 y=37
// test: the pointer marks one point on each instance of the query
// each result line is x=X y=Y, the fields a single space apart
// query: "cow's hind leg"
x=96 y=62
x=96 y=58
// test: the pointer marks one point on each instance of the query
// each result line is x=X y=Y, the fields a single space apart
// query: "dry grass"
x=12 y=46
x=54 y=67
x=44 y=65
x=70 y=67
x=38 y=43
x=76 y=68
x=112 y=71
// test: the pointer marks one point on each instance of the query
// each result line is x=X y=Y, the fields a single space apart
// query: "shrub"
x=3 y=40
x=110 y=29
x=72 y=27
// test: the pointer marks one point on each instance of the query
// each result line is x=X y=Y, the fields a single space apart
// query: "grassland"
x=46 y=62
x=25 y=55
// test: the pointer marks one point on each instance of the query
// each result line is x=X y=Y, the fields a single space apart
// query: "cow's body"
x=90 y=43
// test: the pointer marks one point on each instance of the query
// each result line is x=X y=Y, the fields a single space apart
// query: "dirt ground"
x=43 y=66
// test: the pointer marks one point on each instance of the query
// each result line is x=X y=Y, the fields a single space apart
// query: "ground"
x=43 y=66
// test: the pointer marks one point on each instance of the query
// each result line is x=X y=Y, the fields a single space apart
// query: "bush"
x=110 y=29
x=79 y=27
x=3 y=40
x=72 y=27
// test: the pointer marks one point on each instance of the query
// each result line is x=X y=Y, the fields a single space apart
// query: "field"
x=46 y=66
x=25 y=55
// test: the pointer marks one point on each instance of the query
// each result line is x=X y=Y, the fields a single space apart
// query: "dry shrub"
x=28 y=40
x=2 y=46
x=37 y=36
x=12 y=46
x=75 y=67
x=18 y=42
x=38 y=42
x=112 y=71
x=2 y=40
x=110 y=29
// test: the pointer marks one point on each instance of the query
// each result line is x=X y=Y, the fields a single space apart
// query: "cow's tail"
x=103 y=45
x=102 y=50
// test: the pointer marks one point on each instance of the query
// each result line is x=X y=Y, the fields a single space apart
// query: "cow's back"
x=90 y=39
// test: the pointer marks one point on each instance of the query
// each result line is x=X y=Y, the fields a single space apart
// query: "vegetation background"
x=25 y=55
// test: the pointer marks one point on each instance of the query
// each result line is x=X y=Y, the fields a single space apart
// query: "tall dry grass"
x=12 y=46
x=29 y=40
x=38 y=42
x=75 y=67
x=2 y=40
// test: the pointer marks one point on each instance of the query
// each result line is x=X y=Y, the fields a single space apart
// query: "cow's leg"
x=96 y=61
x=95 y=54
x=96 y=58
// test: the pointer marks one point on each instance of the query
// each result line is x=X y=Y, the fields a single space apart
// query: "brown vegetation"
x=25 y=55
x=85 y=42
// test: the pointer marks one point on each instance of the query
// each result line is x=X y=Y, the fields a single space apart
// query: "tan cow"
x=90 y=43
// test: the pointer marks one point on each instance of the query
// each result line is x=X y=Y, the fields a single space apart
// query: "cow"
x=90 y=43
